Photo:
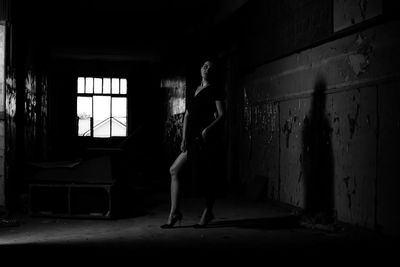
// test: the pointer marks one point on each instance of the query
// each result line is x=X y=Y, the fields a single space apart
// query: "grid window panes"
x=102 y=106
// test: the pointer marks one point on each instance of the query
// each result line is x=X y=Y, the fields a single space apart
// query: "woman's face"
x=205 y=69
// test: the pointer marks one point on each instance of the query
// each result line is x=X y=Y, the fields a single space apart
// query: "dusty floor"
x=242 y=230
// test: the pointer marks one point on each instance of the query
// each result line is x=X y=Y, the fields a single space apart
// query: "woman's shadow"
x=317 y=158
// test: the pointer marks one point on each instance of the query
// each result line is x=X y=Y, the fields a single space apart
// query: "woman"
x=199 y=145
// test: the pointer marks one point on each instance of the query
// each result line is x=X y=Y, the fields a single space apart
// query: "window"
x=102 y=107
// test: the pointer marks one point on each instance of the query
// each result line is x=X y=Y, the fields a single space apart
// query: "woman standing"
x=199 y=147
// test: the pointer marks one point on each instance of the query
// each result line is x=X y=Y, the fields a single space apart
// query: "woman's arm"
x=219 y=117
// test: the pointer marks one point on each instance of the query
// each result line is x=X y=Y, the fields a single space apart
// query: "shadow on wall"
x=317 y=164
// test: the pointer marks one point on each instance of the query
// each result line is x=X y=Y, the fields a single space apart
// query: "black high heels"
x=177 y=216
x=207 y=219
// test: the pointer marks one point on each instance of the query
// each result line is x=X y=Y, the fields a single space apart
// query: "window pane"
x=84 y=112
x=119 y=116
x=97 y=85
x=106 y=85
x=81 y=85
x=89 y=85
x=101 y=116
x=123 y=86
x=115 y=86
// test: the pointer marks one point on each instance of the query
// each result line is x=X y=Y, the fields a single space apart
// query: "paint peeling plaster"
x=173 y=129
x=265 y=120
x=11 y=95
x=176 y=93
x=287 y=130
x=30 y=114
x=360 y=61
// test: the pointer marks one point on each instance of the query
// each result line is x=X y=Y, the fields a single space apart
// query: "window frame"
x=92 y=95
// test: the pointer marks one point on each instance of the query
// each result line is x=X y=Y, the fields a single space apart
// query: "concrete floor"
x=242 y=230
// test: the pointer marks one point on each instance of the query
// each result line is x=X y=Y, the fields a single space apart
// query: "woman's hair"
x=210 y=59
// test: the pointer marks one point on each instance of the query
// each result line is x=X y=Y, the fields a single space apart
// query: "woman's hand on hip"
x=204 y=134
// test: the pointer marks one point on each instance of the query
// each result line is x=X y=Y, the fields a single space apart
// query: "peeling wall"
x=30 y=116
x=261 y=128
x=35 y=119
x=354 y=142
x=175 y=106
x=293 y=119
x=11 y=122
x=332 y=150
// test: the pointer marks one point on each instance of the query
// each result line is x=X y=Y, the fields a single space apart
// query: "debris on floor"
x=320 y=221
x=8 y=222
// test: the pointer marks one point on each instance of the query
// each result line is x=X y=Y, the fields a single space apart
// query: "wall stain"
x=30 y=115
x=349 y=200
x=360 y=61
x=287 y=130
x=346 y=181
x=336 y=119
x=350 y=191
x=353 y=121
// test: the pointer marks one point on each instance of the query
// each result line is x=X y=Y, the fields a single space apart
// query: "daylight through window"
x=102 y=107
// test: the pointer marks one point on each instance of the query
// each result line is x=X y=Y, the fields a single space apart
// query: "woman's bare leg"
x=175 y=171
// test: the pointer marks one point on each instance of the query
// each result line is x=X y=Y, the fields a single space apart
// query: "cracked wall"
x=354 y=141
x=347 y=153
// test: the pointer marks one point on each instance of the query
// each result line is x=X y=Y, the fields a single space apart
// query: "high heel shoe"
x=207 y=219
x=174 y=219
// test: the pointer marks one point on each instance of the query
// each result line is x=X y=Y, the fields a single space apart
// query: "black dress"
x=204 y=155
